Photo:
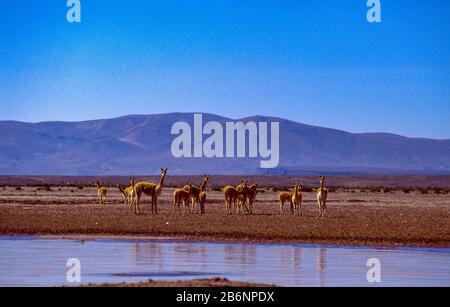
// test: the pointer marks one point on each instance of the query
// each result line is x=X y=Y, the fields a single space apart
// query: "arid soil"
x=195 y=283
x=334 y=180
x=354 y=217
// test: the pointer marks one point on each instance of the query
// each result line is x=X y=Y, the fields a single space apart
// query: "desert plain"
x=361 y=210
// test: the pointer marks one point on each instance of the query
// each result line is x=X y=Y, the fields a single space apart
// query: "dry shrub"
x=281 y=188
x=406 y=190
x=387 y=189
x=422 y=190
x=307 y=189
x=439 y=191
x=332 y=189
x=376 y=189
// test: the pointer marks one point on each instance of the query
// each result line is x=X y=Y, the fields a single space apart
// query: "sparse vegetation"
x=216 y=188
x=407 y=190
x=387 y=189
x=422 y=190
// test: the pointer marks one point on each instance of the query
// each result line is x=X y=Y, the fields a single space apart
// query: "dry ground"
x=354 y=218
x=213 y=282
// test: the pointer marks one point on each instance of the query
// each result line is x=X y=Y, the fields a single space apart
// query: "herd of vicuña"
x=192 y=198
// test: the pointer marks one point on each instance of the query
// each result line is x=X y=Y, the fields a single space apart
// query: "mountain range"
x=141 y=145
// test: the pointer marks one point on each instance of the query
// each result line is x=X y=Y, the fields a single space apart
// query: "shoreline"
x=217 y=282
x=386 y=220
x=223 y=240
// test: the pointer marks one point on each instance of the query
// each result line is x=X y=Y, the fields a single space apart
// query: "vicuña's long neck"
x=203 y=185
x=321 y=186
x=161 y=180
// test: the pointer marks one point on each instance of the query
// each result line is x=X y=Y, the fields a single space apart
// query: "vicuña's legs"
x=194 y=205
x=137 y=206
x=153 y=204
x=244 y=202
x=227 y=204
x=187 y=206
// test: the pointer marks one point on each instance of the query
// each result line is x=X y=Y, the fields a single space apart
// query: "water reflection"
x=321 y=263
x=28 y=262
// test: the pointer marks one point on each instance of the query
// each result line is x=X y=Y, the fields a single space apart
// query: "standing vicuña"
x=101 y=191
x=297 y=199
x=127 y=193
x=322 y=195
x=232 y=195
x=202 y=200
x=195 y=192
x=181 y=196
x=288 y=197
x=251 y=192
x=150 y=189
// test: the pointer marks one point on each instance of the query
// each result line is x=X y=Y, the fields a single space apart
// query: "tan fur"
x=150 y=189
x=231 y=195
x=127 y=194
x=195 y=192
x=101 y=192
x=251 y=196
x=322 y=195
x=181 y=196
x=297 y=200
x=202 y=201
x=285 y=197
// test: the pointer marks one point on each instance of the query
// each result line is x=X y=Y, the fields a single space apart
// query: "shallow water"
x=28 y=261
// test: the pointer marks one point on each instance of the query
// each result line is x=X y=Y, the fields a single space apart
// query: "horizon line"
x=224 y=117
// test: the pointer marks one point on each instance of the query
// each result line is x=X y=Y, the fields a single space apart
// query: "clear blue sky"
x=314 y=61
